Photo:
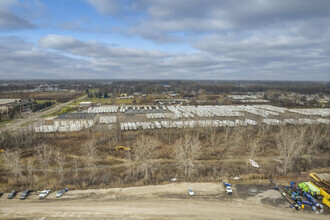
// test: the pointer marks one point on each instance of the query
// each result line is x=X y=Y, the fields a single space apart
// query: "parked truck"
x=228 y=187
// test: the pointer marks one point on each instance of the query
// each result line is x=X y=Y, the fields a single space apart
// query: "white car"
x=190 y=192
x=228 y=187
x=44 y=193
x=60 y=193
x=229 y=190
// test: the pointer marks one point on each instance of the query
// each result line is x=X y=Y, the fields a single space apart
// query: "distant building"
x=9 y=101
x=67 y=118
x=49 y=121
x=123 y=95
x=172 y=101
x=85 y=104
x=6 y=104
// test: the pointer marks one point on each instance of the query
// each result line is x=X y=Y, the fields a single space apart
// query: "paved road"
x=36 y=115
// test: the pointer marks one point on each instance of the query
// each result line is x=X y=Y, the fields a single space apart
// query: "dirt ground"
x=169 y=201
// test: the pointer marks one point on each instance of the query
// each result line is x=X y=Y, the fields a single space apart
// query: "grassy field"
x=43 y=96
x=124 y=101
x=107 y=101
x=43 y=101
x=3 y=123
x=65 y=109
x=27 y=123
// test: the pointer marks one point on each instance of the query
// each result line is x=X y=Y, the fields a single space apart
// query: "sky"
x=165 y=39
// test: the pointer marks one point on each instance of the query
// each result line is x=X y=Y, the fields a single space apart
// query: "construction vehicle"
x=2 y=150
x=322 y=182
x=123 y=147
x=310 y=188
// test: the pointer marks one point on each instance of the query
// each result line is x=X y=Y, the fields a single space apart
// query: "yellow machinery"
x=322 y=182
x=2 y=150
x=122 y=147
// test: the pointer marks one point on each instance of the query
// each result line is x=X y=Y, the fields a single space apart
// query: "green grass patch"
x=3 y=123
x=108 y=101
x=124 y=101
x=43 y=101
x=65 y=109
x=27 y=123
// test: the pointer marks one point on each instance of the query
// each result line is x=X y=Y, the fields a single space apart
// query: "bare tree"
x=30 y=177
x=253 y=148
x=12 y=163
x=25 y=137
x=89 y=153
x=238 y=136
x=60 y=160
x=262 y=132
x=214 y=137
x=187 y=149
x=316 y=136
x=144 y=154
x=290 y=142
x=44 y=153
x=75 y=163
x=130 y=167
x=226 y=134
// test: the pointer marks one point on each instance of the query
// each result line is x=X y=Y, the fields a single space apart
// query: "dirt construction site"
x=169 y=201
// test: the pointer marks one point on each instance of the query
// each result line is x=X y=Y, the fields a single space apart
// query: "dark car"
x=25 y=194
x=12 y=194
x=1 y=193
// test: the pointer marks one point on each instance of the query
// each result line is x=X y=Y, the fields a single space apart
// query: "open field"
x=43 y=96
x=169 y=201
x=109 y=101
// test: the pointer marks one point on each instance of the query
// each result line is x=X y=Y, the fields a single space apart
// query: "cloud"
x=9 y=20
x=23 y=60
x=118 y=8
x=59 y=42
x=105 y=6
x=58 y=56
x=198 y=17
x=93 y=49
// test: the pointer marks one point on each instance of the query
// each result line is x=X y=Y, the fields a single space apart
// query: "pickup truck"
x=44 y=193
x=227 y=186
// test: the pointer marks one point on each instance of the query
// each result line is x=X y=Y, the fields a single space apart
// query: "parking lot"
x=170 y=201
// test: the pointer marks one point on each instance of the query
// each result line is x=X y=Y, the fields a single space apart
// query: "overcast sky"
x=165 y=39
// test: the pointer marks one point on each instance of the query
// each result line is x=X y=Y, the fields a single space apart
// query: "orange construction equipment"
x=322 y=182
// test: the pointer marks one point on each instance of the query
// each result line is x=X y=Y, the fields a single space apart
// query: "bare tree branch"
x=144 y=153
x=44 y=153
x=187 y=150
x=89 y=153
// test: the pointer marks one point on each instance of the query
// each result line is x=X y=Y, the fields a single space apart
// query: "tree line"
x=201 y=154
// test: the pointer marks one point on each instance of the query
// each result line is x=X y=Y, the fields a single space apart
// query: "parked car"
x=44 y=193
x=227 y=186
x=1 y=193
x=60 y=193
x=12 y=194
x=25 y=194
x=191 y=192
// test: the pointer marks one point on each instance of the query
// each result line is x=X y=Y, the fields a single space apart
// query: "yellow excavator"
x=122 y=147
